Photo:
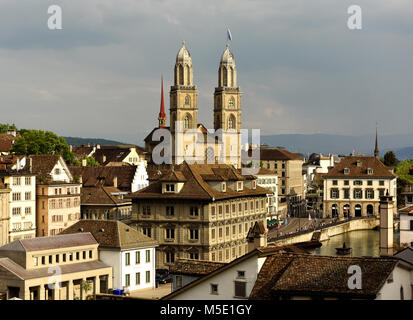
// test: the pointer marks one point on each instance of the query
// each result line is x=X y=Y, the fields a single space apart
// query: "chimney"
x=386 y=225
x=30 y=164
x=104 y=159
x=115 y=182
x=70 y=148
x=98 y=146
x=84 y=162
x=80 y=179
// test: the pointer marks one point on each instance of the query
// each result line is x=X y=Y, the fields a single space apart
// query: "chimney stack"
x=115 y=182
x=386 y=225
x=84 y=162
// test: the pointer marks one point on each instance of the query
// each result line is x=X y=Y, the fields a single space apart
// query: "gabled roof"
x=101 y=195
x=5 y=145
x=405 y=254
x=256 y=252
x=52 y=242
x=93 y=176
x=313 y=275
x=196 y=185
x=407 y=210
x=112 y=234
x=358 y=166
x=194 y=267
x=43 y=164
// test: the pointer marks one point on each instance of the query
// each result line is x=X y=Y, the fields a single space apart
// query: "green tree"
x=42 y=142
x=390 y=159
x=5 y=127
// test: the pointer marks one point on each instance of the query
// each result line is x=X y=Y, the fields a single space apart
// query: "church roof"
x=227 y=57
x=183 y=56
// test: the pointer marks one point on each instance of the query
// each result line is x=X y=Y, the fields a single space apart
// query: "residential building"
x=116 y=155
x=185 y=271
x=282 y=273
x=406 y=225
x=268 y=179
x=317 y=163
x=407 y=195
x=53 y=268
x=129 y=252
x=4 y=213
x=6 y=141
x=104 y=203
x=128 y=178
x=354 y=186
x=16 y=172
x=199 y=211
x=190 y=140
x=57 y=195
x=289 y=167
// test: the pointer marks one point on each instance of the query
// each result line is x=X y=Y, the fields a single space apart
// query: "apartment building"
x=268 y=179
x=57 y=195
x=16 y=172
x=129 y=252
x=199 y=211
x=53 y=268
x=354 y=186
x=4 y=213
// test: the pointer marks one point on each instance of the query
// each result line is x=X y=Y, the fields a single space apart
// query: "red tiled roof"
x=194 y=267
x=358 y=166
x=274 y=154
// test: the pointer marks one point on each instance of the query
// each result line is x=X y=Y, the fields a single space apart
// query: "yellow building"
x=63 y=267
x=199 y=211
x=4 y=213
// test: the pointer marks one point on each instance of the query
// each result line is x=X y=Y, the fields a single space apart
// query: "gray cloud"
x=299 y=67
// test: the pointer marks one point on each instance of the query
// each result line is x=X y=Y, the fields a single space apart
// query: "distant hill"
x=340 y=144
x=76 y=141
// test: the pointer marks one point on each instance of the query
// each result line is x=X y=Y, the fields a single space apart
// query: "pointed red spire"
x=162 y=114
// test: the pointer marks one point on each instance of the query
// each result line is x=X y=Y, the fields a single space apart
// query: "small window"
x=127 y=280
x=90 y=254
x=138 y=257
x=50 y=259
x=241 y=274
x=224 y=187
x=335 y=182
x=64 y=257
x=214 y=289
x=148 y=276
x=148 y=256
x=138 y=278
x=127 y=259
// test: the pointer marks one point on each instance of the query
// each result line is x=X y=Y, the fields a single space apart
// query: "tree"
x=390 y=159
x=5 y=127
x=41 y=142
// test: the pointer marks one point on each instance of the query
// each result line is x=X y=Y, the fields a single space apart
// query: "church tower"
x=227 y=108
x=183 y=94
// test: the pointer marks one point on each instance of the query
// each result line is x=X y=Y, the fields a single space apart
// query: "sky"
x=300 y=68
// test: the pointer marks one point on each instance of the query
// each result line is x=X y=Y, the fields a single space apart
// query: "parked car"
x=163 y=276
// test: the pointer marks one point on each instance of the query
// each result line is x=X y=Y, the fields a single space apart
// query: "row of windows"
x=357 y=193
x=170 y=211
x=18 y=226
x=59 y=204
x=228 y=229
x=59 y=191
x=267 y=181
x=240 y=207
x=17 y=181
x=137 y=278
x=357 y=182
x=18 y=211
x=64 y=257
x=137 y=257
x=17 y=196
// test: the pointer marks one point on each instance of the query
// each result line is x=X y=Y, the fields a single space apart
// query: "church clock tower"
x=183 y=94
x=227 y=108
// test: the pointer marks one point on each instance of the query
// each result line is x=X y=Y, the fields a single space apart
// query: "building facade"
x=354 y=186
x=268 y=179
x=57 y=195
x=4 y=213
x=200 y=212
x=28 y=268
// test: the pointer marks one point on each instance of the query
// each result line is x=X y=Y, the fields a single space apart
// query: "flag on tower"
x=229 y=36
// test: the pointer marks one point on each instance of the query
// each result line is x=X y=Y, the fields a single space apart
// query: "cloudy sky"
x=300 y=68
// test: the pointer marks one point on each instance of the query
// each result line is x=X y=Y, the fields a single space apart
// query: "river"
x=363 y=243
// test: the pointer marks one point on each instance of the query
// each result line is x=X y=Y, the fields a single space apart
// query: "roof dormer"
x=223 y=187
x=346 y=170
x=369 y=171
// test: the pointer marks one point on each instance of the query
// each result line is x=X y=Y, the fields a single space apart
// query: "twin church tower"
x=220 y=146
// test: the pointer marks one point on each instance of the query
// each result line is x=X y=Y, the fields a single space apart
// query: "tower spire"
x=162 y=114
x=376 y=149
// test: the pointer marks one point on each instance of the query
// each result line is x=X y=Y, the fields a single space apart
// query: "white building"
x=406 y=226
x=269 y=180
x=130 y=253
x=278 y=273
x=22 y=182
x=140 y=180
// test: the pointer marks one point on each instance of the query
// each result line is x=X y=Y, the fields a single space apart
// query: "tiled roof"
x=101 y=195
x=196 y=186
x=43 y=164
x=112 y=234
x=52 y=242
x=173 y=176
x=310 y=275
x=358 y=166
x=194 y=267
x=408 y=210
x=275 y=154
x=5 y=145
x=82 y=151
x=26 y=274
x=406 y=255
x=93 y=176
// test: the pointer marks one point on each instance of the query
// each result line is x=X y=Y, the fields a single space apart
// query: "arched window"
x=225 y=76
x=187 y=121
x=181 y=75
x=188 y=100
x=231 y=102
x=231 y=74
x=188 y=75
x=231 y=122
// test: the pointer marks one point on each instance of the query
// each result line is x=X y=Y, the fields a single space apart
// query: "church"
x=187 y=140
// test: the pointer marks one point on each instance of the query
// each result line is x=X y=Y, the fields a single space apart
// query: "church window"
x=231 y=102
x=187 y=122
x=181 y=75
x=231 y=122
x=188 y=100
